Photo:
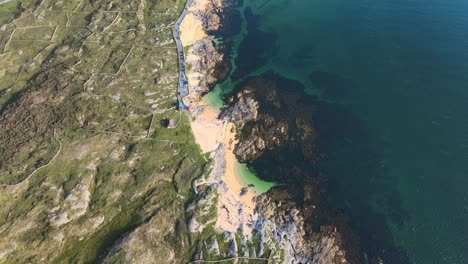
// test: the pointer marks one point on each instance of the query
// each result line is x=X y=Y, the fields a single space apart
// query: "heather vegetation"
x=85 y=161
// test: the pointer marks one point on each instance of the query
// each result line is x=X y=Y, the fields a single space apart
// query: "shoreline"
x=275 y=220
x=215 y=136
x=234 y=211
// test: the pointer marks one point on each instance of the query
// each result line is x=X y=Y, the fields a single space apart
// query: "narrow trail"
x=180 y=119
x=6 y=2
x=130 y=136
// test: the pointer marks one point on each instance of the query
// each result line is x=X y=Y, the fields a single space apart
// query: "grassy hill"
x=85 y=159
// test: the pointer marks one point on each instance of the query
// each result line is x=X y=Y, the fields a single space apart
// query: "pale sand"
x=207 y=129
x=191 y=29
x=231 y=176
x=193 y=36
x=234 y=210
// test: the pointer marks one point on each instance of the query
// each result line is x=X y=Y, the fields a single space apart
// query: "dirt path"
x=6 y=2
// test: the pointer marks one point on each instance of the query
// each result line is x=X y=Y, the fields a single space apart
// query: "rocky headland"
x=268 y=119
x=265 y=111
x=264 y=116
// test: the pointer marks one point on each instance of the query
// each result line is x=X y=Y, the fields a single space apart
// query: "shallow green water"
x=247 y=177
x=395 y=76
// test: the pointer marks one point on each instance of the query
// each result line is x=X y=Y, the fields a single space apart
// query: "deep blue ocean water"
x=394 y=74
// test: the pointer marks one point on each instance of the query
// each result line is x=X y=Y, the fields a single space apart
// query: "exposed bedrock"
x=266 y=113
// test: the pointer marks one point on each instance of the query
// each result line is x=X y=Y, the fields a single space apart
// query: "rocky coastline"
x=290 y=223
x=293 y=214
x=208 y=62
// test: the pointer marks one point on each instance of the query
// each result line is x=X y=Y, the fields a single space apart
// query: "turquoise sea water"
x=394 y=75
x=246 y=177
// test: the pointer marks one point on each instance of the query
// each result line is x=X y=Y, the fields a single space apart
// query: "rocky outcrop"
x=209 y=17
x=74 y=206
x=272 y=117
x=267 y=133
x=243 y=107
x=194 y=226
x=267 y=119
x=146 y=244
x=207 y=64
x=214 y=246
x=202 y=210
x=326 y=250
x=203 y=59
x=283 y=223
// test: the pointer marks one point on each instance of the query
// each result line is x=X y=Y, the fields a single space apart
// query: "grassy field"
x=85 y=160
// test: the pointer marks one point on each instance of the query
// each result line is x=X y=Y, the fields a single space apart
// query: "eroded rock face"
x=281 y=221
x=275 y=120
x=265 y=112
x=201 y=210
x=204 y=59
x=243 y=108
x=75 y=205
x=326 y=250
x=145 y=244
x=267 y=133
x=194 y=226
x=207 y=62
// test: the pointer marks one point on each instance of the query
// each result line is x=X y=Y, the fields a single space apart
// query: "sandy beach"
x=234 y=210
x=216 y=136
x=231 y=174
x=192 y=28
x=193 y=37
x=208 y=130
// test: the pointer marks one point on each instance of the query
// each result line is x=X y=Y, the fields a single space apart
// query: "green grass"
x=126 y=189
x=189 y=66
x=212 y=211
x=88 y=250
x=8 y=12
x=186 y=48
x=181 y=5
